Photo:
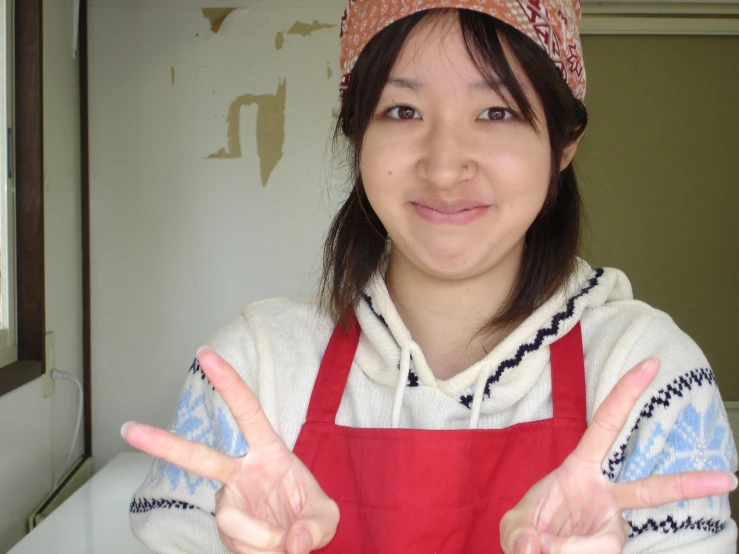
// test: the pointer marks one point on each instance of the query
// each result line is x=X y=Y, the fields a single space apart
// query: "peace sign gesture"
x=270 y=502
x=575 y=509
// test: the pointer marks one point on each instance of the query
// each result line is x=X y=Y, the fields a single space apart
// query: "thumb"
x=314 y=528
x=298 y=540
x=518 y=535
x=528 y=543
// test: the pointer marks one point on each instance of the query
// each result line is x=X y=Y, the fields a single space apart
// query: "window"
x=22 y=199
x=8 y=346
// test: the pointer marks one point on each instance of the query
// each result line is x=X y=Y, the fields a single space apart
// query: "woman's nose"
x=446 y=159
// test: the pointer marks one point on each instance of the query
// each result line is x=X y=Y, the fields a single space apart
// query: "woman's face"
x=453 y=173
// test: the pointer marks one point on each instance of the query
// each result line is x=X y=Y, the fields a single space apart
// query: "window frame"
x=29 y=196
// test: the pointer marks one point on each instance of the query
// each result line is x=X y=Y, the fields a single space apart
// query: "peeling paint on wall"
x=270 y=129
x=173 y=75
x=216 y=16
x=305 y=29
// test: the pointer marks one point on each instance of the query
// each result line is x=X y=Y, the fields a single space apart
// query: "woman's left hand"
x=576 y=509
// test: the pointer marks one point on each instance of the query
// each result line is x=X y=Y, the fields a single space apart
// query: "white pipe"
x=57 y=374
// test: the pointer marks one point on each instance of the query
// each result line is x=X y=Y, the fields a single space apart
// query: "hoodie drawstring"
x=411 y=349
x=405 y=370
x=477 y=399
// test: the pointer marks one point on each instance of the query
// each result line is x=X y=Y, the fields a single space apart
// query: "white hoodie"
x=276 y=346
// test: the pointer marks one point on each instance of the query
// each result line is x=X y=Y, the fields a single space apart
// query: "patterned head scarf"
x=552 y=24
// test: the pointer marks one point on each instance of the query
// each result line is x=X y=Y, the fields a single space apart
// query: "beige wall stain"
x=300 y=28
x=173 y=76
x=216 y=16
x=270 y=129
x=305 y=29
x=329 y=71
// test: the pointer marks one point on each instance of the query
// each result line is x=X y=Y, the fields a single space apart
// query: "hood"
x=388 y=355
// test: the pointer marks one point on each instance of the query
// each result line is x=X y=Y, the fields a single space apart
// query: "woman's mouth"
x=450 y=213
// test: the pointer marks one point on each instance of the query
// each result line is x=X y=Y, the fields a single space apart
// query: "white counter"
x=94 y=520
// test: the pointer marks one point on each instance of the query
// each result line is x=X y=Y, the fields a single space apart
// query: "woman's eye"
x=402 y=112
x=496 y=114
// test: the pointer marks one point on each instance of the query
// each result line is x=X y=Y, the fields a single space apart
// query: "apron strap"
x=334 y=372
x=568 y=376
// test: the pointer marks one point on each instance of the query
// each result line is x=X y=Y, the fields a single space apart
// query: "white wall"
x=37 y=431
x=25 y=460
x=180 y=242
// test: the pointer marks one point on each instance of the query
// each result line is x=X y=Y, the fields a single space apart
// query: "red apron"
x=420 y=491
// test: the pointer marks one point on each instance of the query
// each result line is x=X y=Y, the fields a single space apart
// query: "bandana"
x=552 y=24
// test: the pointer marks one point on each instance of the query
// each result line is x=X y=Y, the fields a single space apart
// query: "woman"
x=466 y=384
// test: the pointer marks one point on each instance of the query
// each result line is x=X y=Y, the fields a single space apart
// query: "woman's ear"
x=569 y=154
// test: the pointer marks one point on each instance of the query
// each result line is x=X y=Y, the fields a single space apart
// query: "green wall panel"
x=659 y=172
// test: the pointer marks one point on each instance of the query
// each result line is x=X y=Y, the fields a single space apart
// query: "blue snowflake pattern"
x=641 y=460
x=701 y=441
x=194 y=420
x=698 y=440
x=228 y=437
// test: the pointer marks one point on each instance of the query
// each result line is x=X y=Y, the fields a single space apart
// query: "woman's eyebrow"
x=402 y=82
x=485 y=85
x=411 y=84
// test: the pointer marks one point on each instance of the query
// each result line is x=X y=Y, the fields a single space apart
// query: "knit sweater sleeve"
x=680 y=424
x=173 y=511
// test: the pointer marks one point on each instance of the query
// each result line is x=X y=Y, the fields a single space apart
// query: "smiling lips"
x=459 y=212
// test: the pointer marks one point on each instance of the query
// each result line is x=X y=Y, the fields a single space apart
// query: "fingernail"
x=200 y=351
x=125 y=427
x=304 y=542
x=524 y=546
x=734 y=481
x=650 y=365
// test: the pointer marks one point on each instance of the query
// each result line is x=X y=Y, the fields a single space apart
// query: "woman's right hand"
x=269 y=502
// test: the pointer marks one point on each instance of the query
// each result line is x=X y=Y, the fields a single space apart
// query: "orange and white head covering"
x=552 y=24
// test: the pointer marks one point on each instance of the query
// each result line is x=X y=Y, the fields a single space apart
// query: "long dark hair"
x=355 y=244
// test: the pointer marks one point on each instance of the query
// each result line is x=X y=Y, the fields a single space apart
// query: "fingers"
x=314 y=529
x=609 y=540
x=241 y=401
x=603 y=544
x=528 y=544
x=298 y=541
x=304 y=537
x=249 y=533
x=658 y=490
x=518 y=535
x=191 y=456
x=238 y=547
x=611 y=415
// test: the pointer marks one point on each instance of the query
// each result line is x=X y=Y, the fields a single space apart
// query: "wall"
x=35 y=444
x=658 y=172
x=192 y=214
